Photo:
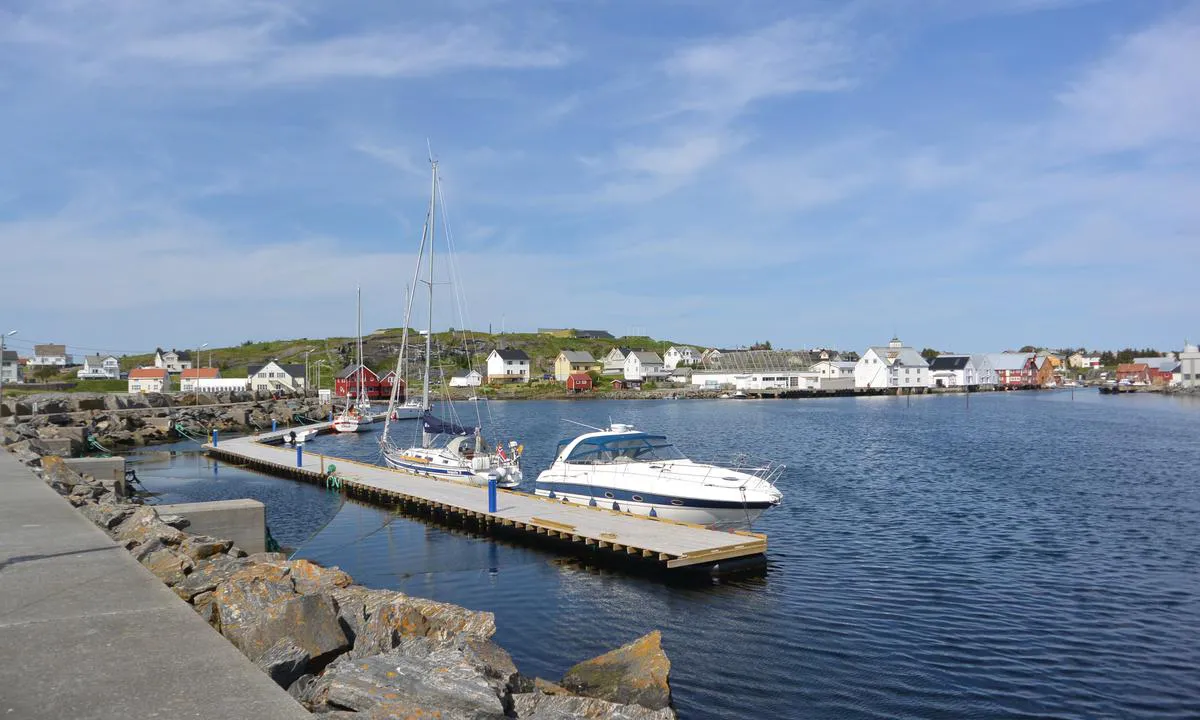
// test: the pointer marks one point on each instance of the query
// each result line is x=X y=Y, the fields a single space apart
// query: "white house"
x=149 y=380
x=50 y=354
x=173 y=361
x=614 y=361
x=677 y=355
x=99 y=367
x=643 y=365
x=466 y=378
x=769 y=380
x=1189 y=366
x=1083 y=362
x=984 y=370
x=209 y=380
x=10 y=367
x=894 y=366
x=951 y=371
x=274 y=376
x=507 y=366
x=833 y=369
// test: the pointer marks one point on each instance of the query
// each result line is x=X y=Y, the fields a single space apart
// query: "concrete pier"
x=87 y=632
x=243 y=521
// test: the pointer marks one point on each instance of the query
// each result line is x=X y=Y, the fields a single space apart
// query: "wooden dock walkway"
x=668 y=543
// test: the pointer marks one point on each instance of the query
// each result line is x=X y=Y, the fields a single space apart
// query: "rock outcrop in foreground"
x=351 y=651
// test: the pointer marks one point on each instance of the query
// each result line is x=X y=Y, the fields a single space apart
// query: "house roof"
x=622 y=350
x=349 y=371
x=145 y=373
x=50 y=349
x=205 y=373
x=1132 y=367
x=646 y=356
x=98 y=359
x=578 y=356
x=579 y=377
x=466 y=373
x=1008 y=361
x=511 y=354
x=293 y=369
x=905 y=356
x=949 y=362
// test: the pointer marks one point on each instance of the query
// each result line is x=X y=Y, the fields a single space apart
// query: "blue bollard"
x=214 y=438
x=491 y=495
x=299 y=456
x=274 y=424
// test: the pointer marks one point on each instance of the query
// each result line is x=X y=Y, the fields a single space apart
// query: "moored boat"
x=623 y=468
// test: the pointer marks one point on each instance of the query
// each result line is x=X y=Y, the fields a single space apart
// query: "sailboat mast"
x=358 y=397
x=429 y=324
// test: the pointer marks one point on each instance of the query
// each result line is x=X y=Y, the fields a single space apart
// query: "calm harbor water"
x=1028 y=555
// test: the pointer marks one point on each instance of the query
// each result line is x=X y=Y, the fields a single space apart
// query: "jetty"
x=666 y=543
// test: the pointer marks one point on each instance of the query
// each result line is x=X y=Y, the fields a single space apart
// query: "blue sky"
x=971 y=175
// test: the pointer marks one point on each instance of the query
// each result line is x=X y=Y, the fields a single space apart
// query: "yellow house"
x=570 y=362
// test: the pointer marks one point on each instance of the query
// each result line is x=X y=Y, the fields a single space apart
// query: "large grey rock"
x=536 y=706
x=107 y=515
x=378 y=619
x=243 y=599
x=310 y=621
x=143 y=525
x=310 y=577
x=201 y=547
x=167 y=565
x=442 y=679
x=637 y=672
x=207 y=575
x=284 y=662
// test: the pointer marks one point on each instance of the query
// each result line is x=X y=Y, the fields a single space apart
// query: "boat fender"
x=616 y=506
x=552 y=495
x=592 y=502
x=652 y=513
x=331 y=469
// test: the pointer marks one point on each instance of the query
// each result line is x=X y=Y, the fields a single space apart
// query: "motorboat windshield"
x=629 y=448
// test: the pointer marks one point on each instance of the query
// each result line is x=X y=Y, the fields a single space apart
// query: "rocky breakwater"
x=349 y=651
x=63 y=423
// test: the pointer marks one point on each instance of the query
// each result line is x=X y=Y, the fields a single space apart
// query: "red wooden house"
x=579 y=382
x=1134 y=372
x=345 y=383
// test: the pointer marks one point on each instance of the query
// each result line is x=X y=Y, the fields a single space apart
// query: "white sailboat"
x=448 y=450
x=356 y=415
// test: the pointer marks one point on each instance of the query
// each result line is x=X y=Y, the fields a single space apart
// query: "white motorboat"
x=299 y=438
x=448 y=449
x=622 y=468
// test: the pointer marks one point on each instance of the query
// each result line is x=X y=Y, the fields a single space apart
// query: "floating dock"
x=668 y=543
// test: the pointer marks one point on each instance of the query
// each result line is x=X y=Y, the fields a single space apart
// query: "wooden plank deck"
x=672 y=544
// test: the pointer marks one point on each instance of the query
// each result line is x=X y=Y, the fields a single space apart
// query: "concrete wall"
x=110 y=471
x=242 y=521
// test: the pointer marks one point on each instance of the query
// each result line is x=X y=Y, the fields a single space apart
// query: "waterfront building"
x=579 y=382
x=345 y=383
x=275 y=376
x=894 y=366
x=570 y=362
x=507 y=366
x=466 y=378
x=984 y=372
x=1189 y=366
x=949 y=371
x=643 y=365
x=1013 y=370
x=10 y=367
x=209 y=380
x=614 y=361
x=96 y=367
x=149 y=380
x=677 y=355
x=173 y=361
x=1134 y=373
x=833 y=368
x=1083 y=362
x=50 y=354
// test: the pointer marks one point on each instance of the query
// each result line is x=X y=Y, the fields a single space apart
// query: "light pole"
x=8 y=334
x=196 y=379
x=318 y=365
x=307 y=374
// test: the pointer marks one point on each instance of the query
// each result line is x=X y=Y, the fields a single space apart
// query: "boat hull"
x=709 y=514
x=456 y=473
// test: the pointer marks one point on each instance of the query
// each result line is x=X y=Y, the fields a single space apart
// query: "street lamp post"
x=307 y=374
x=8 y=334
x=196 y=380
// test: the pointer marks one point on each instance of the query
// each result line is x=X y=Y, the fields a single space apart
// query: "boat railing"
x=761 y=468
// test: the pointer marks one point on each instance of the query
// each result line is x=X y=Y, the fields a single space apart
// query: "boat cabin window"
x=623 y=449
